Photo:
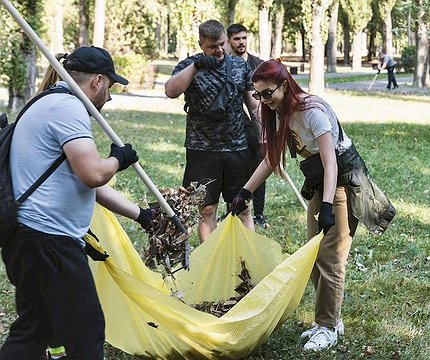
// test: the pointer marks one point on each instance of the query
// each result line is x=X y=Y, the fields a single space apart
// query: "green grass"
x=386 y=303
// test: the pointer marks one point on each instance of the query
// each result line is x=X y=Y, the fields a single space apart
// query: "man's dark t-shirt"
x=207 y=134
x=253 y=61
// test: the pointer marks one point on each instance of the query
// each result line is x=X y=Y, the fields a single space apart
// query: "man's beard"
x=240 y=50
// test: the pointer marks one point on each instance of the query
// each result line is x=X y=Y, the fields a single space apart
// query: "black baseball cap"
x=93 y=60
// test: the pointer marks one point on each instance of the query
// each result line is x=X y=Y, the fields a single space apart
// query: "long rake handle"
x=293 y=187
x=91 y=108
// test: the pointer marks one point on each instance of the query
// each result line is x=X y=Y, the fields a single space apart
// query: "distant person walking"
x=387 y=62
x=238 y=40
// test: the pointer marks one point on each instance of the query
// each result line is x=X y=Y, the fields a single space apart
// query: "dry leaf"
x=168 y=246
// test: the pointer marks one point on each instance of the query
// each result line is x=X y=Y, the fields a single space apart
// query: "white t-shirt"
x=306 y=126
x=62 y=205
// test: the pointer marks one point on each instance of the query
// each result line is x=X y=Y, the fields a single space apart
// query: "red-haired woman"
x=307 y=125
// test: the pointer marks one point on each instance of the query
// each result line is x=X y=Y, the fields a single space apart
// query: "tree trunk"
x=58 y=27
x=331 y=40
x=18 y=98
x=279 y=25
x=356 y=54
x=99 y=23
x=231 y=11
x=411 y=34
x=388 y=32
x=264 y=34
x=303 y=35
x=346 y=44
x=316 y=76
x=421 y=78
x=371 y=48
x=83 y=23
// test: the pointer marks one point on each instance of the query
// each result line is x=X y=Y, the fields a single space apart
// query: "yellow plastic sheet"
x=143 y=318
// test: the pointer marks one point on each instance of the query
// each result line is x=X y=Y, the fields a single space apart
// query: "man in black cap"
x=56 y=298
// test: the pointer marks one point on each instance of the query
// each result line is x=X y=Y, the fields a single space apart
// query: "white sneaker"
x=323 y=337
x=315 y=327
x=309 y=333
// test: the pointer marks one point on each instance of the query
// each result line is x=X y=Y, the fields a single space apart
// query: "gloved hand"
x=125 y=155
x=207 y=62
x=94 y=254
x=326 y=217
x=240 y=202
x=145 y=218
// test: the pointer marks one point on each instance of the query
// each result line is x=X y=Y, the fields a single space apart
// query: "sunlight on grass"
x=387 y=304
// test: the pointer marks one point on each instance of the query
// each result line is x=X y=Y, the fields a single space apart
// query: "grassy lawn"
x=386 y=308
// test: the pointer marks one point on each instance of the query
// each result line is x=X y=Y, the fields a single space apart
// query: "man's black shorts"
x=230 y=169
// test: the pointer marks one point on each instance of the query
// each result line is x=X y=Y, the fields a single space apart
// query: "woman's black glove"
x=207 y=62
x=145 y=218
x=326 y=217
x=240 y=202
x=125 y=155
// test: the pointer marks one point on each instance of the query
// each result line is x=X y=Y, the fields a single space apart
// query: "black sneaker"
x=260 y=220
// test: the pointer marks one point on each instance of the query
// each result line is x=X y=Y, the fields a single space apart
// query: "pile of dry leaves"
x=168 y=246
x=219 y=308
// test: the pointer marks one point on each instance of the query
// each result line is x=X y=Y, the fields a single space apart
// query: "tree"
x=316 y=23
x=99 y=23
x=187 y=16
x=359 y=13
x=278 y=19
x=84 y=21
x=294 y=17
x=385 y=8
x=343 y=19
x=263 y=28
x=18 y=54
x=231 y=11
x=332 y=37
x=422 y=78
x=372 y=28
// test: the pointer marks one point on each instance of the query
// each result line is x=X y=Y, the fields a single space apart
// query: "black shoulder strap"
x=59 y=160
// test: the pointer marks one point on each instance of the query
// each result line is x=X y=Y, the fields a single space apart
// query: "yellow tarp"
x=142 y=317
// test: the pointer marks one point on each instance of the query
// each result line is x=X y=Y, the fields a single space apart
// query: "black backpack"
x=8 y=205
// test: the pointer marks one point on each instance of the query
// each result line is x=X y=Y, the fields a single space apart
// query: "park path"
x=380 y=106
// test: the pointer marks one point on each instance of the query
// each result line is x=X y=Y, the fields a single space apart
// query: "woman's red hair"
x=278 y=133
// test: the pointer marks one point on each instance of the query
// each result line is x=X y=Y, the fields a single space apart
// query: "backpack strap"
x=59 y=160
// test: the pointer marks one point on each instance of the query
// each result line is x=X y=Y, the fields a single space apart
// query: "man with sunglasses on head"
x=238 y=41
x=216 y=148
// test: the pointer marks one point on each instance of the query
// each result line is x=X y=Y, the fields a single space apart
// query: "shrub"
x=409 y=58
x=136 y=69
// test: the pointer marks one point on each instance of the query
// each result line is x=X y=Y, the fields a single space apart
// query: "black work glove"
x=125 y=155
x=240 y=202
x=207 y=62
x=145 y=218
x=326 y=217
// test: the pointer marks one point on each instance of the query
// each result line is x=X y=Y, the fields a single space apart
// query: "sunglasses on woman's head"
x=266 y=94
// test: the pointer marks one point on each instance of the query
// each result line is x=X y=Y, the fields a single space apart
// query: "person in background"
x=336 y=181
x=387 y=62
x=216 y=149
x=238 y=40
x=45 y=259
